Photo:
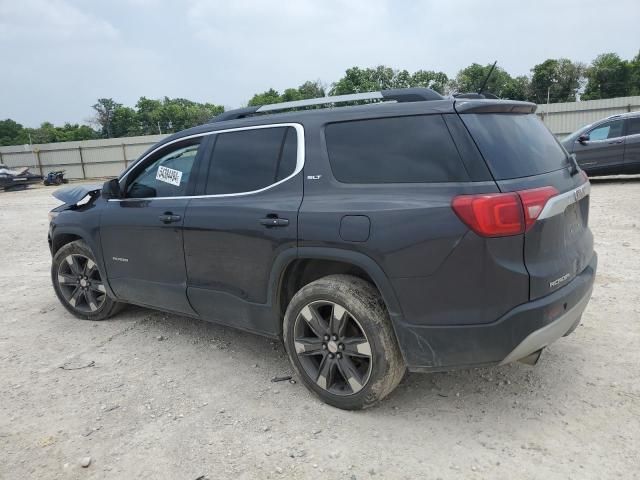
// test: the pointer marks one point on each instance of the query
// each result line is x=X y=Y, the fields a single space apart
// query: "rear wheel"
x=339 y=339
x=79 y=284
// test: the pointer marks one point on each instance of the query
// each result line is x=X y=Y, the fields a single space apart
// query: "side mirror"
x=584 y=138
x=111 y=189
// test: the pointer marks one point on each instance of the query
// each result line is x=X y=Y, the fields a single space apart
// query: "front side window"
x=606 y=130
x=249 y=160
x=394 y=150
x=168 y=176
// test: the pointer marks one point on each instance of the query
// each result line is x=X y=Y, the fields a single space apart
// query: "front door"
x=246 y=214
x=141 y=234
x=604 y=148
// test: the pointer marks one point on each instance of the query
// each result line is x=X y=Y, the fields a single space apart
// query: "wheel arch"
x=326 y=261
x=63 y=235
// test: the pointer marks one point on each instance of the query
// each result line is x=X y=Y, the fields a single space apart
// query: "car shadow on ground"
x=476 y=391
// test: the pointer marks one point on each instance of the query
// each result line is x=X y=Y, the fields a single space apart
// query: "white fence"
x=107 y=158
x=86 y=159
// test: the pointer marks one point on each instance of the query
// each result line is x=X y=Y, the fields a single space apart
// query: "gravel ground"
x=152 y=395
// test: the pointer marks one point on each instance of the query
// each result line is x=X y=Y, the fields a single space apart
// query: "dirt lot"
x=151 y=395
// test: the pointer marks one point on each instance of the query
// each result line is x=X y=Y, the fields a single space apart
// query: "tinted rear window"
x=515 y=145
x=249 y=160
x=394 y=150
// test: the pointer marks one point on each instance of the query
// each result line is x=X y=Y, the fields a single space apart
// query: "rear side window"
x=515 y=146
x=415 y=149
x=633 y=126
x=249 y=160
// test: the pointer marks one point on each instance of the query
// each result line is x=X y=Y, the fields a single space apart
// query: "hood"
x=73 y=194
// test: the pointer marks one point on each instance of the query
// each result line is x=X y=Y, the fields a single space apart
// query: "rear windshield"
x=515 y=145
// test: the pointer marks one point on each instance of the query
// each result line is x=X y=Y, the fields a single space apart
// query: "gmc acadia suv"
x=412 y=232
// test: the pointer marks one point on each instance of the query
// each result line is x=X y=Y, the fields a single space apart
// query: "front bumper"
x=517 y=334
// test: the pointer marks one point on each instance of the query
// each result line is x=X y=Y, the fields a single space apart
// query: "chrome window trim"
x=300 y=157
x=558 y=204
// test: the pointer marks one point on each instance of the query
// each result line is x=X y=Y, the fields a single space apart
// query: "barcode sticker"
x=169 y=175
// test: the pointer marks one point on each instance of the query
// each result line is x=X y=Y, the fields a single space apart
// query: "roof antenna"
x=486 y=79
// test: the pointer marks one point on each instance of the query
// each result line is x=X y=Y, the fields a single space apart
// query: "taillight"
x=502 y=214
x=533 y=201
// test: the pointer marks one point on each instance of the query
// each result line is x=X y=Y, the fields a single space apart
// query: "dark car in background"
x=608 y=147
x=417 y=232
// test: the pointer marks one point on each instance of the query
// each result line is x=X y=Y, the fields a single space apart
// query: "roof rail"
x=398 y=95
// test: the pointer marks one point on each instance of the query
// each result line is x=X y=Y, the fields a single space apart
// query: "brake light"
x=502 y=214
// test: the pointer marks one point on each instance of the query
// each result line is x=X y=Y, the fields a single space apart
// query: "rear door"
x=246 y=214
x=605 y=147
x=523 y=155
x=632 y=144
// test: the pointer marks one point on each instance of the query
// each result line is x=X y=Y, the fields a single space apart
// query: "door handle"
x=274 y=222
x=617 y=141
x=168 y=217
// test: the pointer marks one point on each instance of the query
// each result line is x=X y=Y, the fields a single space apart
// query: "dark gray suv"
x=413 y=232
x=608 y=147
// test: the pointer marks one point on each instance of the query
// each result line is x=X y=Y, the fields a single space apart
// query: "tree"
x=125 y=122
x=437 y=81
x=608 y=77
x=306 y=90
x=560 y=79
x=105 y=109
x=500 y=83
x=265 y=98
x=634 y=75
x=311 y=90
x=518 y=88
x=9 y=131
x=358 y=80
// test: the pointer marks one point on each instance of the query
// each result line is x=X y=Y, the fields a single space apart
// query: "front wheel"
x=79 y=284
x=339 y=339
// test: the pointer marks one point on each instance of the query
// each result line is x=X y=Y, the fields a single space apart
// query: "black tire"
x=79 y=284
x=362 y=363
x=46 y=183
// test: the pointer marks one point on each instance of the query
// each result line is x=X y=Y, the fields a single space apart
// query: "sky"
x=57 y=57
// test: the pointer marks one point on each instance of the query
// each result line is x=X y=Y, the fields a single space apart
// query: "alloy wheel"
x=332 y=348
x=80 y=283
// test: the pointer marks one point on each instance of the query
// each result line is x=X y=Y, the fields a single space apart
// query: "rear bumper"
x=520 y=332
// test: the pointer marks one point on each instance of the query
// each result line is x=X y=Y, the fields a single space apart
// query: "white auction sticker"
x=169 y=175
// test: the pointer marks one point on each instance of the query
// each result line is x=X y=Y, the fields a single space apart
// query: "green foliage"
x=358 y=80
x=265 y=98
x=608 y=77
x=306 y=90
x=559 y=78
x=500 y=83
x=105 y=109
x=9 y=131
x=634 y=75
x=12 y=133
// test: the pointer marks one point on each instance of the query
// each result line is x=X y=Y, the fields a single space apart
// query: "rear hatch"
x=524 y=157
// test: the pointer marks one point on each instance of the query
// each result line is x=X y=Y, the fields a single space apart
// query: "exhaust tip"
x=531 y=359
